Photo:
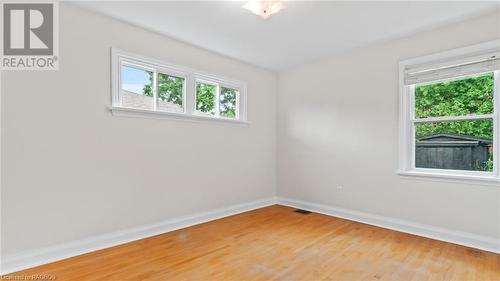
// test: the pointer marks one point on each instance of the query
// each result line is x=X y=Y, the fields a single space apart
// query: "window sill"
x=450 y=177
x=131 y=112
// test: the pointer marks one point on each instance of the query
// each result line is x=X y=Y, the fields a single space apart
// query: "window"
x=148 y=88
x=463 y=137
x=449 y=124
x=171 y=95
x=151 y=87
x=206 y=98
x=215 y=99
x=227 y=102
x=136 y=88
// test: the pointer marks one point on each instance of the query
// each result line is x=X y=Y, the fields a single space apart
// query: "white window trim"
x=190 y=77
x=406 y=120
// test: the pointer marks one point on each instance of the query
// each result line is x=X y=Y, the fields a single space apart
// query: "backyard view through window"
x=454 y=124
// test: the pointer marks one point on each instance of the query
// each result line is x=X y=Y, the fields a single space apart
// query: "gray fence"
x=455 y=152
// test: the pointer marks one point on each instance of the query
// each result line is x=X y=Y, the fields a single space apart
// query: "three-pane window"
x=149 y=86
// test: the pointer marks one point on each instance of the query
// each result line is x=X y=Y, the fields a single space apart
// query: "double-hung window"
x=449 y=114
x=149 y=88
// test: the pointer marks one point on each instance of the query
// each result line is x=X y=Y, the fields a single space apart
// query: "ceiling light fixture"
x=263 y=8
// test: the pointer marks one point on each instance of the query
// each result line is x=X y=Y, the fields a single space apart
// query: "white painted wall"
x=71 y=170
x=338 y=126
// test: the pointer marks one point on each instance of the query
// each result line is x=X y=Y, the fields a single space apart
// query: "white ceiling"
x=304 y=31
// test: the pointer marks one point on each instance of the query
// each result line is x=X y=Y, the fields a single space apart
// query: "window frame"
x=190 y=76
x=407 y=119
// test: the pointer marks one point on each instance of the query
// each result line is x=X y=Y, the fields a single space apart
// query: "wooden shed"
x=446 y=151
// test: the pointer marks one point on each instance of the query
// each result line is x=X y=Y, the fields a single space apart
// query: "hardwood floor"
x=275 y=243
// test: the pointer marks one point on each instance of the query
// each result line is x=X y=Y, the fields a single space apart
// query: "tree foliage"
x=228 y=102
x=147 y=90
x=470 y=96
x=170 y=88
x=205 y=97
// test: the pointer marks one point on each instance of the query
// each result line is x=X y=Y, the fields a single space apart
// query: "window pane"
x=227 y=102
x=469 y=96
x=136 y=88
x=170 y=93
x=456 y=145
x=205 y=98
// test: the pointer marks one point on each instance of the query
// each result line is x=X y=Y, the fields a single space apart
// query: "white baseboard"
x=457 y=237
x=13 y=263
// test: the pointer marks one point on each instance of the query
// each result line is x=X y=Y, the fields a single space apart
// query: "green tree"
x=147 y=90
x=463 y=97
x=205 y=97
x=170 y=88
x=470 y=96
x=228 y=102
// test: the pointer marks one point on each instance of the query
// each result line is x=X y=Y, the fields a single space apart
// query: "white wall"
x=338 y=126
x=71 y=170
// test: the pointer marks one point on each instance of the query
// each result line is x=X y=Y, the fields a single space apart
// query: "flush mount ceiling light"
x=264 y=9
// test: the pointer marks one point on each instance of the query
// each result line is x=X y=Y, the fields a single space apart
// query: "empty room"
x=250 y=140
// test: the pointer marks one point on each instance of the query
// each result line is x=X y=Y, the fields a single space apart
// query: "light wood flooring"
x=275 y=243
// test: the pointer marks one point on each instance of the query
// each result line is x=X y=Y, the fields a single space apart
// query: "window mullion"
x=237 y=108
x=155 y=89
x=117 y=93
x=190 y=94
x=411 y=126
x=452 y=118
x=496 y=121
x=217 y=101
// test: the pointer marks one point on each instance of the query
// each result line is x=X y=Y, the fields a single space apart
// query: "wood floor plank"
x=275 y=243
